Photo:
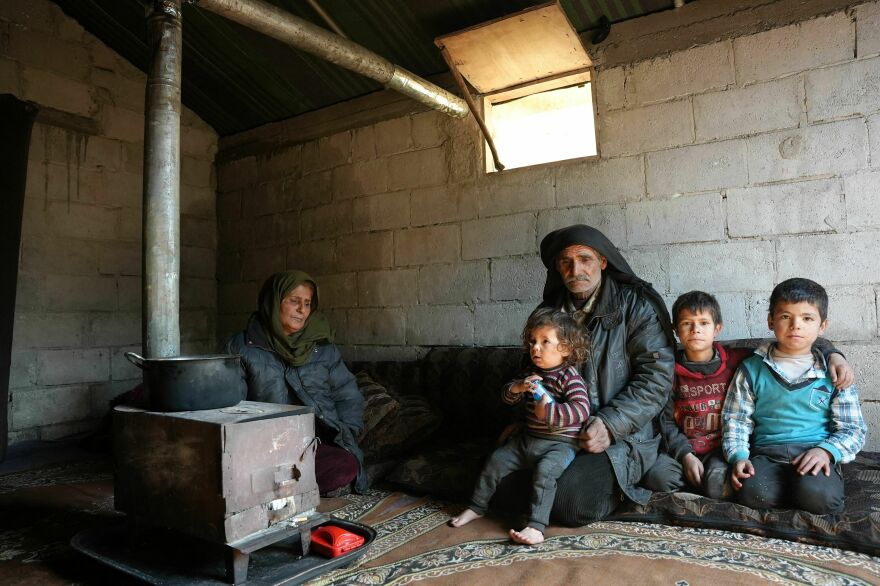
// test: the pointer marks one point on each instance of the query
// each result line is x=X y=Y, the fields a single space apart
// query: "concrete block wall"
x=727 y=167
x=79 y=283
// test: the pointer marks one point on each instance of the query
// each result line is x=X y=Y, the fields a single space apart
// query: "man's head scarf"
x=295 y=348
x=617 y=268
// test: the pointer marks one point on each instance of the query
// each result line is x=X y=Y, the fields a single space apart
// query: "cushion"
x=378 y=404
x=857 y=528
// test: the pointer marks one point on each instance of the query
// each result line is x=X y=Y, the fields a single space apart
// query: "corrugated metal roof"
x=237 y=79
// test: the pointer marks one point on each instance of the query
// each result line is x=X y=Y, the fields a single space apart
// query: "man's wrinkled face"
x=581 y=269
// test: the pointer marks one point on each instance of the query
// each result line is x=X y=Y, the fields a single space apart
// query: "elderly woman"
x=288 y=355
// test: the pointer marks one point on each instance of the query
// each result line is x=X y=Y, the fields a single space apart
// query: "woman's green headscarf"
x=296 y=348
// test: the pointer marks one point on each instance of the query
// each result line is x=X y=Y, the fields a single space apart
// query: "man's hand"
x=812 y=461
x=842 y=374
x=693 y=470
x=595 y=438
x=741 y=470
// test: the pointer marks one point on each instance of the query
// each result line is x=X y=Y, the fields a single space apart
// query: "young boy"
x=690 y=424
x=786 y=430
x=554 y=417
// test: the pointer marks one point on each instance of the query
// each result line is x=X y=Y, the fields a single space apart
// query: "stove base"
x=160 y=556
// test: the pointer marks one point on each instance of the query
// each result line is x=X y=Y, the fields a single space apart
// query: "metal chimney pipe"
x=301 y=34
x=161 y=215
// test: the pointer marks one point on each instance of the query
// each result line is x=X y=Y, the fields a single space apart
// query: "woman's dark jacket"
x=323 y=383
x=628 y=371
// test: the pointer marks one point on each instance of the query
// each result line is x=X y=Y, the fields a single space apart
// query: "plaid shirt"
x=848 y=429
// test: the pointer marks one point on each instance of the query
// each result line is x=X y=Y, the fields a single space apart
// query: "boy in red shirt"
x=690 y=424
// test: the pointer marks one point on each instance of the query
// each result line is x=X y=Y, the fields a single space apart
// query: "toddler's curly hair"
x=570 y=335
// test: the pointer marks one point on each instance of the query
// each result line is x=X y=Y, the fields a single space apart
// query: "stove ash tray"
x=171 y=558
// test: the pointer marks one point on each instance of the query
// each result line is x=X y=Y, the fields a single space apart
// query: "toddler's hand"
x=812 y=461
x=742 y=469
x=693 y=470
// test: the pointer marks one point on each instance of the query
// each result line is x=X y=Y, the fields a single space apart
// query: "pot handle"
x=135 y=359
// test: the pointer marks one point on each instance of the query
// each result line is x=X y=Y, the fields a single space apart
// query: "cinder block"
x=852 y=313
x=338 y=319
x=280 y=163
x=388 y=288
x=309 y=191
x=376 y=326
x=67 y=366
x=41 y=255
x=435 y=205
x=789 y=208
x=326 y=221
x=37 y=16
x=194 y=231
x=597 y=180
x=393 y=136
x=229 y=205
x=361 y=178
x=871 y=414
x=650 y=264
x=831 y=259
x=197 y=172
x=701 y=167
x=610 y=220
x=734 y=313
x=47 y=52
x=197 y=331
x=259 y=263
x=44 y=329
x=72 y=293
x=863 y=199
x=327 y=152
x=58 y=92
x=381 y=212
x=418 y=246
x=128 y=293
x=696 y=218
x=454 y=283
x=10 y=80
x=865 y=360
x=501 y=324
x=793 y=48
x=44 y=407
x=101 y=395
x=198 y=262
x=517 y=279
x=868 y=29
x=238 y=298
x=339 y=290
x=380 y=353
x=236 y=174
x=229 y=325
x=741 y=111
x=117 y=188
x=501 y=236
x=367 y=250
x=844 y=90
x=720 y=267
x=464 y=151
x=132 y=156
x=515 y=191
x=363 y=144
x=195 y=201
x=115 y=329
x=440 y=325
x=315 y=258
x=639 y=130
x=417 y=169
x=693 y=71
x=122 y=124
x=199 y=143
x=23 y=369
x=198 y=293
x=426 y=130
x=264 y=199
x=835 y=148
x=611 y=90
x=74 y=150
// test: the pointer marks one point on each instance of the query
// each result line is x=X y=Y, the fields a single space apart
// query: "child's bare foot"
x=464 y=518
x=528 y=536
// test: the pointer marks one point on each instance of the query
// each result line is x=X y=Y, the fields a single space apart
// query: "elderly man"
x=628 y=370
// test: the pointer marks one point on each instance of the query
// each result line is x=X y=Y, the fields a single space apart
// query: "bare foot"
x=528 y=536
x=464 y=518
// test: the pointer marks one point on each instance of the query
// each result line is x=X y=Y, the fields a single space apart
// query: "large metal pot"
x=192 y=383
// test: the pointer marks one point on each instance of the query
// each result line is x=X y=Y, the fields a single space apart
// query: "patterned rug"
x=41 y=510
x=415 y=544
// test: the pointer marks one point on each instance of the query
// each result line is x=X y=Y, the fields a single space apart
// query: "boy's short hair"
x=569 y=333
x=798 y=290
x=697 y=301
